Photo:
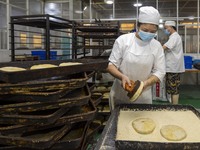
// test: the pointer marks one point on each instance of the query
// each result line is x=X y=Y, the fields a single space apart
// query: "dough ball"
x=144 y=125
x=69 y=64
x=173 y=133
x=12 y=69
x=43 y=66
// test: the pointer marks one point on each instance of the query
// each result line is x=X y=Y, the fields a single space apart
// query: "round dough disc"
x=144 y=125
x=42 y=66
x=173 y=133
x=69 y=64
x=12 y=69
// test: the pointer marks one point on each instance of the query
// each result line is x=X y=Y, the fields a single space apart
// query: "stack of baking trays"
x=99 y=95
x=48 y=108
x=103 y=106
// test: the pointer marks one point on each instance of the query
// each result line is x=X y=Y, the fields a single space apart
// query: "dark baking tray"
x=28 y=75
x=96 y=99
x=5 y=129
x=75 y=97
x=42 y=117
x=53 y=95
x=91 y=132
x=73 y=139
x=40 y=139
x=43 y=86
x=124 y=145
x=77 y=114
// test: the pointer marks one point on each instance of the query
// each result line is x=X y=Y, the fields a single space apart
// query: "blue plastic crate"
x=42 y=54
x=188 y=59
x=188 y=65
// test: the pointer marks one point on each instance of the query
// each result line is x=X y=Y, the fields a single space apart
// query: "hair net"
x=170 y=23
x=149 y=14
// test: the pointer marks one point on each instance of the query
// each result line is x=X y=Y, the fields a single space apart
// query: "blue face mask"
x=166 y=32
x=146 y=36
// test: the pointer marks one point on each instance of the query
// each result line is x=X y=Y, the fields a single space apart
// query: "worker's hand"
x=145 y=85
x=125 y=80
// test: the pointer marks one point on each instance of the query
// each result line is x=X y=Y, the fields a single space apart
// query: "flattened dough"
x=144 y=125
x=43 y=66
x=106 y=95
x=12 y=69
x=173 y=133
x=69 y=64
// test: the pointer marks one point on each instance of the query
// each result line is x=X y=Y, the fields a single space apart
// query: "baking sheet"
x=40 y=139
x=77 y=114
x=28 y=75
x=75 y=97
x=41 y=117
x=53 y=95
x=138 y=144
x=73 y=139
x=46 y=85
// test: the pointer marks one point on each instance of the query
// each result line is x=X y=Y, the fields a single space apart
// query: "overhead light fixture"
x=85 y=8
x=137 y=4
x=191 y=18
x=161 y=26
x=52 y=6
x=108 y=1
x=78 y=12
x=160 y=20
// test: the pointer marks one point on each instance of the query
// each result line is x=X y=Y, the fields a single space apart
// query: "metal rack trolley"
x=103 y=35
x=48 y=24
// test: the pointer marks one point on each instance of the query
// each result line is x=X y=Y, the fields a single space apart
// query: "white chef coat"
x=138 y=60
x=174 y=54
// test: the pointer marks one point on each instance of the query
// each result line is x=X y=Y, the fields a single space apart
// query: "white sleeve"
x=171 y=43
x=116 y=54
x=159 y=64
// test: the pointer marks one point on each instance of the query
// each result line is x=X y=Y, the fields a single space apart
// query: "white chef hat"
x=170 y=23
x=149 y=14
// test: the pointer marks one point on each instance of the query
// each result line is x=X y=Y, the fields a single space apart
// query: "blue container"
x=42 y=54
x=188 y=59
x=188 y=62
x=188 y=65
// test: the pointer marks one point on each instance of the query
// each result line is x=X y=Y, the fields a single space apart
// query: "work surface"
x=107 y=139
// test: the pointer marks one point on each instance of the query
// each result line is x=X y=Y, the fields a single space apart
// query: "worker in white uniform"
x=137 y=56
x=174 y=61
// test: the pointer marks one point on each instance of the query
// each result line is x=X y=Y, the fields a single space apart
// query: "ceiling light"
x=108 y=1
x=137 y=4
x=191 y=18
x=78 y=11
x=160 y=21
x=161 y=26
x=52 y=6
x=85 y=8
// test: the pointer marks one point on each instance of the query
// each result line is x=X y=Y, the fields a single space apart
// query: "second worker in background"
x=174 y=61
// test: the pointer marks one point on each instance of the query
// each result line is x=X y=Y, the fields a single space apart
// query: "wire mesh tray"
x=40 y=139
x=73 y=139
x=77 y=114
x=141 y=145
x=33 y=118
x=28 y=75
x=75 y=97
